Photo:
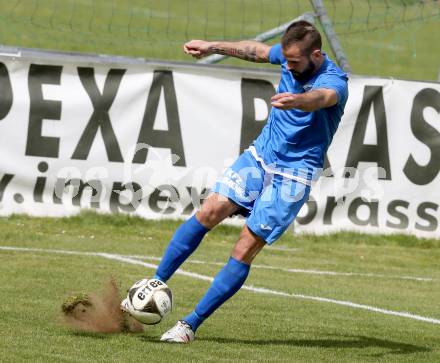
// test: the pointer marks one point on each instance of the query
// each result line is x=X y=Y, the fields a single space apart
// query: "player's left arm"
x=309 y=101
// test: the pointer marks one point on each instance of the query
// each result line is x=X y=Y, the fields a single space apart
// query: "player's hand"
x=284 y=101
x=198 y=48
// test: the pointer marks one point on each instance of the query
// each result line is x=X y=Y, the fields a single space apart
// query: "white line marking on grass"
x=345 y=303
x=260 y=290
x=335 y=273
x=296 y=270
x=254 y=266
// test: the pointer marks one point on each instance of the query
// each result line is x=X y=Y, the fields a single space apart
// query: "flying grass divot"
x=98 y=312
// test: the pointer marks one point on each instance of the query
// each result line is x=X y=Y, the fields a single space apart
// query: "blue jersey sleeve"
x=337 y=82
x=276 y=55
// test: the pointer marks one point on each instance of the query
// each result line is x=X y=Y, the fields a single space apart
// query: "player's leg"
x=189 y=235
x=241 y=183
x=231 y=193
x=230 y=278
x=273 y=212
x=227 y=282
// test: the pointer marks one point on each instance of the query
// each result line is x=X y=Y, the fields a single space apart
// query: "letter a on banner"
x=171 y=138
x=359 y=151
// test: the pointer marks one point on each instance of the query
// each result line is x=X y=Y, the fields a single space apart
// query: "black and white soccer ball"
x=149 y=301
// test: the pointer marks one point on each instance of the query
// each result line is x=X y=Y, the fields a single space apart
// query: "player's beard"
x=306 y=74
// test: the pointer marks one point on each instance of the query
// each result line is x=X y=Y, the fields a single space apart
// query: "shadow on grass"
x=357 y=342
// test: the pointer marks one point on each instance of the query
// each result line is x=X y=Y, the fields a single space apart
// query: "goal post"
x=335 y=45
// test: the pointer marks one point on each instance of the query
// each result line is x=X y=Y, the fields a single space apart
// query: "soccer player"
x=271 y=180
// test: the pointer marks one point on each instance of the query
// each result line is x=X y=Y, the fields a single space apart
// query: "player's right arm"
x=249 y=50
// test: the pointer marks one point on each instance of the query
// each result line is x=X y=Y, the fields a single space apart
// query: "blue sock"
x=185 y=240
x=227 y=282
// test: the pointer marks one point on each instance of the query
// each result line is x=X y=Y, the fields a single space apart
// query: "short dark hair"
x=302 y=31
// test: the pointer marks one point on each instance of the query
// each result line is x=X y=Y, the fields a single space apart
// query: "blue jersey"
x=294 y=142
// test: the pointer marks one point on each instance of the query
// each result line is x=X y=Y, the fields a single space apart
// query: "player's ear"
x=316 y=53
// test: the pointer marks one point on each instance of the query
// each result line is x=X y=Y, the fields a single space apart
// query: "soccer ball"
x=149 y=301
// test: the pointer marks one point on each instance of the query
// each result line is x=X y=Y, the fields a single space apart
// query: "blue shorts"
x=271 y=201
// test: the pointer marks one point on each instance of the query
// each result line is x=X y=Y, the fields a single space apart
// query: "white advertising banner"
x=151 y=139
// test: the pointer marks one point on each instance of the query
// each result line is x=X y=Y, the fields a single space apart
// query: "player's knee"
x=244 y=254
x=215 y=209
x=247 y=248
x=209 y=216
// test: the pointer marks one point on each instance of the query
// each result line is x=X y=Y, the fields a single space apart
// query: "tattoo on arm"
x=247 y=53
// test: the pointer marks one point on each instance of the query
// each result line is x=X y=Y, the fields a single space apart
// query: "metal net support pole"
x=330 y=33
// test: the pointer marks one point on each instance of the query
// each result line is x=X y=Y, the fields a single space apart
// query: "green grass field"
x=395 y=38
x=378 y=271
